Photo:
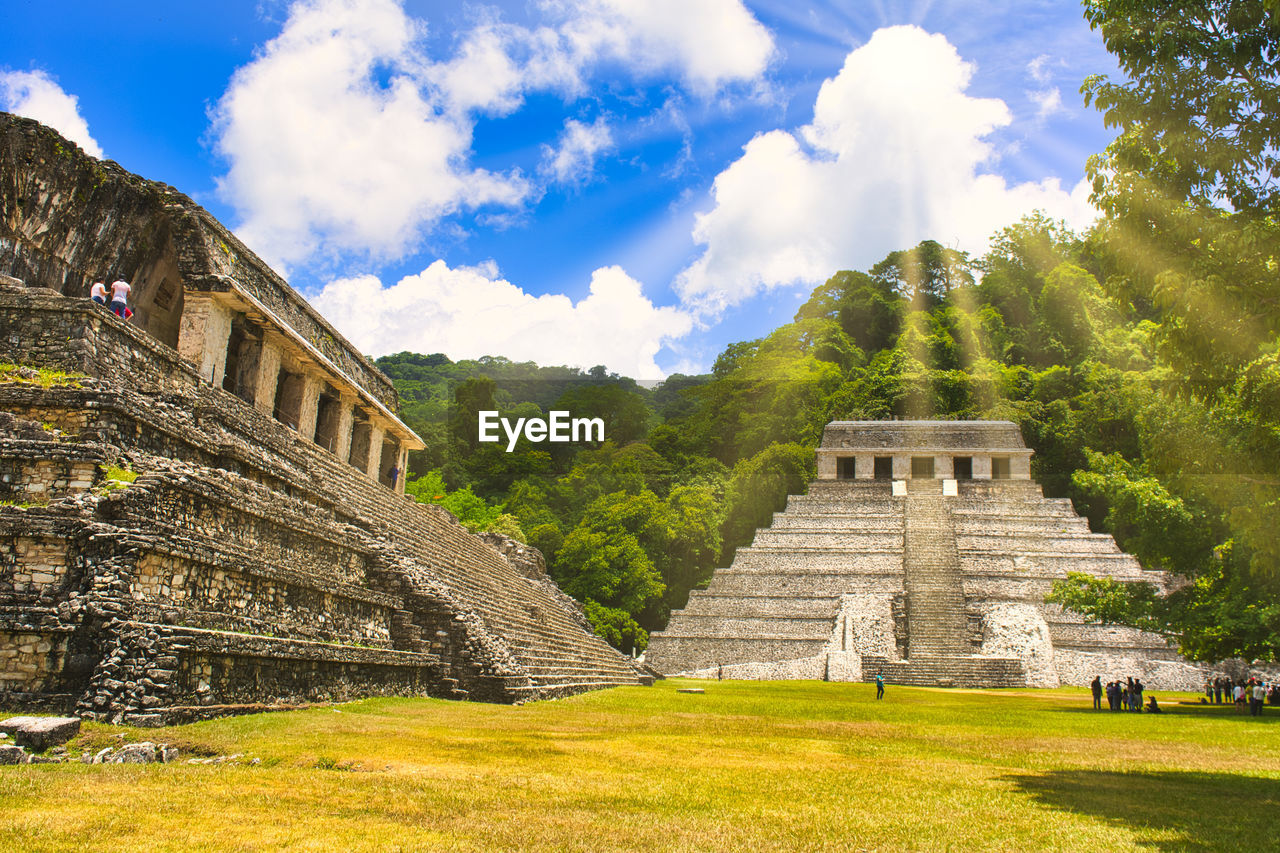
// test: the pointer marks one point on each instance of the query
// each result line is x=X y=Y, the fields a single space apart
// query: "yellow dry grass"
x=747 y=766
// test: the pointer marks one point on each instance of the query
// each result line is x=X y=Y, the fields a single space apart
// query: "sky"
x=634 y=183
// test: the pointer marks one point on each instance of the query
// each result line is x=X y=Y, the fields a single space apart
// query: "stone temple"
x=924 y=551
x=198 y=513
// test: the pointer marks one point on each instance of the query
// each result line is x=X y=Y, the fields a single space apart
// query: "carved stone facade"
x=926 y=578
x=198 y=517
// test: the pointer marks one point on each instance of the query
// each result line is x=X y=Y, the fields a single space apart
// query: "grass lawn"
x=748 y=765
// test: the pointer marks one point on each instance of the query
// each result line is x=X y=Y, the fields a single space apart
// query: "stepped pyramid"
x=923 y=551
x=264 y=554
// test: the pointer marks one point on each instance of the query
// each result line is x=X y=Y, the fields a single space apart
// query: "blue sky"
x=629 y=182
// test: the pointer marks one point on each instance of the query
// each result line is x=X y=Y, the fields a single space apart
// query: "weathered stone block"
x=40 y=733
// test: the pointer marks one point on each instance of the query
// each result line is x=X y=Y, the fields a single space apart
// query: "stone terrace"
x=865 y=575
x=245 y=564
x=262 y=552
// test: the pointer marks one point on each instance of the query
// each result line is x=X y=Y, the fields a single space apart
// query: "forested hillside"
x=1142 y=361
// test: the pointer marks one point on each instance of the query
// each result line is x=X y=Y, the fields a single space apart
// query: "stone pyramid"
x=923 y=551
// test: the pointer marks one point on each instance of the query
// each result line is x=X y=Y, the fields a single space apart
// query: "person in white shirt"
x=98 y=293
x=1259 y=695
x=120 y=299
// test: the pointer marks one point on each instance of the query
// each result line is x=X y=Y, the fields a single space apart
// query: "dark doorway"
x=921 y=467
x=963 y=466
x=328 y=417
x=999 y=467
x=884 y=468
x=846 y=468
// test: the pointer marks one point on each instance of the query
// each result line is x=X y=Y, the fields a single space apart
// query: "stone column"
x=982 y=466
x=944 y=467
x=402 y=462
x=826 y=466
x=267 y=375
x=376 y=436
x=203 y=333
x=864 y=467
x=901 y=466
x=311 y=387
x=346 y=420
x=1020 y=467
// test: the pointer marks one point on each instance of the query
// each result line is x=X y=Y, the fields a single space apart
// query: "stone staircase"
x=269 y=568
x=936 y=622
x=926 y=670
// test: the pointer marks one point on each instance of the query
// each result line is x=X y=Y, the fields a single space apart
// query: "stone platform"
x=201 y=510
x=925 y=587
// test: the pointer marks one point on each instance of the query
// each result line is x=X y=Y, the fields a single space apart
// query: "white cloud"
x=344 y=135
x=35 y=95
x=1047 y=101
x=1036 y=68
x=320 y=151
x=895 y=155
x=469 y=312
x=574 y=159
x=707 y=43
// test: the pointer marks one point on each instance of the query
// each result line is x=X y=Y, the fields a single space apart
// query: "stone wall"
x=245 y=564
x=76 y=219
x=827 y=578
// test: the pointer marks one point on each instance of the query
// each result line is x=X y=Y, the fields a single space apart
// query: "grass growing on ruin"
x=760 y=766
x=42 y=376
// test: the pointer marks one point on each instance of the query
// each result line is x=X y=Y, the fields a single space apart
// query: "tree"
x=759 y=488
x=1198 y=115
x=925 y=274
x=1191 y=186
x=869 y=310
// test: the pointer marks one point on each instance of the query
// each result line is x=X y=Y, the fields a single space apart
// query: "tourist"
x=1217 y=690
x=120 y=299
x=1095 y=687
x=1237 y=695
x=1256 y=699
x=1138 y=687
x=1113 y=695
x=1153 y=707
x=393 y=475
x=879 y=685
x=1208 y=690
x=98 y=293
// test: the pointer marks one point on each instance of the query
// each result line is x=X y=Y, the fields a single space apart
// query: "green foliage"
x=116 y=476
x=1198 y=113
x=470 y=509
x=925 y=274
x=1106 y=600
x=1145 y=518
x=508 y=525
x=608 y=566
x=616 y=627
x=759 y=487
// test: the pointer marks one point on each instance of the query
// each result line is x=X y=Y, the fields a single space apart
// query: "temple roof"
x=923 y=435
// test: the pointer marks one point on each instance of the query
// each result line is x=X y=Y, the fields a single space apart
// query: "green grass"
x=747 y=766
x=42 y=376
x=116 y=477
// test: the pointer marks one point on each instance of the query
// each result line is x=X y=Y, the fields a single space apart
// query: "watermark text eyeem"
x=557 y=427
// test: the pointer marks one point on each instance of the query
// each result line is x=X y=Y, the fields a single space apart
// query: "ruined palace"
x=924 y=551
x=203 y=508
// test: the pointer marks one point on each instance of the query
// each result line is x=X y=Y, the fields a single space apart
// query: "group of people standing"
x=119 y=297
x=1255 y=693
x=1122 y=695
